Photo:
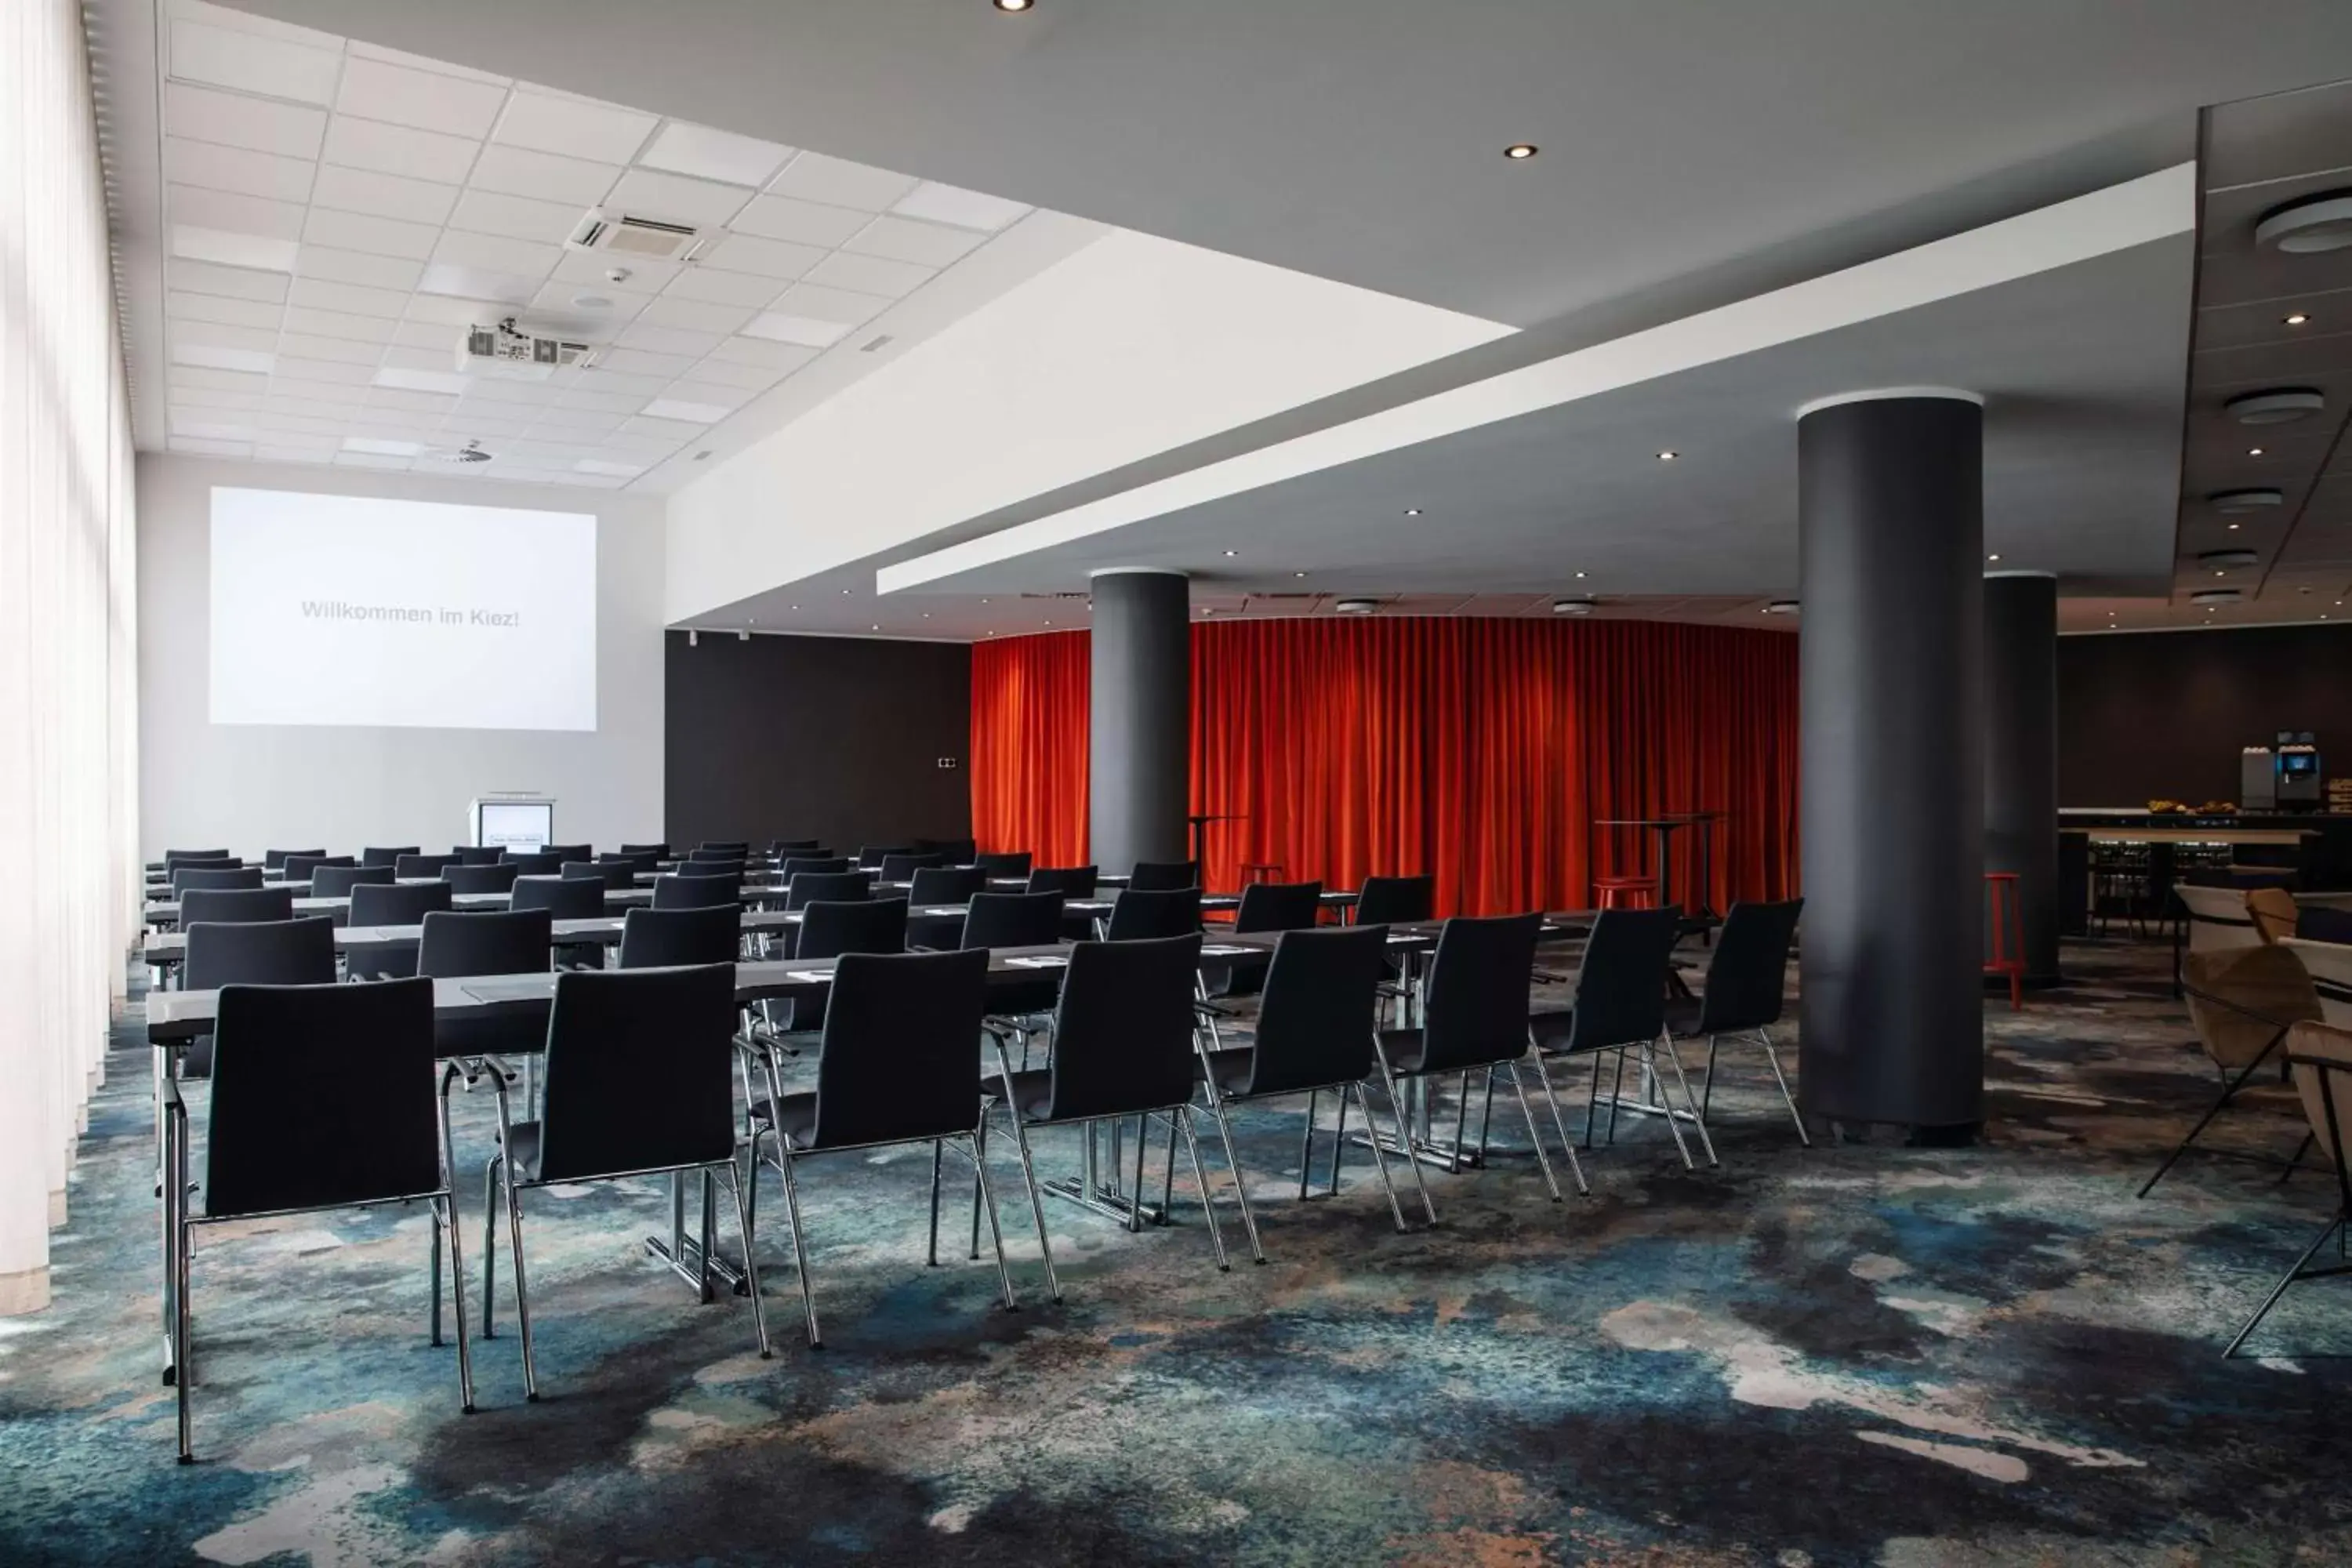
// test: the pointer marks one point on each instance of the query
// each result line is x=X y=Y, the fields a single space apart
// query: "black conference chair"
x=1018 y=919
x=698 y=892
x=1009 y=864
x=478 y=854
x=897 y=1066
x=1123 y=1046
x=456 y=944
x=1142 y=915
x=1070 y=881
x=794 y=864
x=947 y=884
x=1473 y=1015
x=380 y=855
x=658 y=851
x=301 y=867
x=803 y=888
x=828 y=930
x=870 y=855
x=275 y=859
x=236 y=906
x=607 y=1118
x=495 y=878
x=299 y=952
x=293 y=1129
x=564 y=900
x=1164 y=876
x=1396 y=900
x=1267 y=907
x=784 y=847
x=411 y=866
x=199 y=856
x=1314 y=1033
x=1620 y=1004
x=1744 y=981
x=396 y=904
x=709 y=868
x=954 y=851
x=337 y=881
x=536 y=863
x=725 y=853
x=643 y=860
x=656 y=937
x=622 y=874
x=564 y=852
x=902 y=868
x=188 y=877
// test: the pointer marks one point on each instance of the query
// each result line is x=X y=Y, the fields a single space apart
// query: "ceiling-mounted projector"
x=512 y=355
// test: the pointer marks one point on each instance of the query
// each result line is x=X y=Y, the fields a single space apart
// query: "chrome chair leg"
x=995 y=1231
x=1338 y=1138
x=522 y=1296
x=800 y=1238
x=177 y=1265
x=1690 y=1100
x=1559 y=1120
x=1787 y=1098
x=1404 y=1128
x=931 y=1253
x=1233 y=1163
x=1306 y=1141
x=490 y=1243
x=1543 y=1161
x=1707 y=1095
x=1380 y=1157
x=1182 y=1117
x=751 y=1264
x=1674 y=1123
x=445 y=1215
x=1037 y=1199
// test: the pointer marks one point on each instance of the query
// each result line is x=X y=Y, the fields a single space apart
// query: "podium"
x=519 y=821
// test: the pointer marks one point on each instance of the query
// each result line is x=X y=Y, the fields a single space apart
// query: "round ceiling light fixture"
x=2215 y=596
x=2276 y=406
x=1014 y=8
x=1577 y=606
x=1781 y=608
x=1520 y=151
x=2228 y=560
x=2323 y=222
x=1353 y=607
x=2237 y=503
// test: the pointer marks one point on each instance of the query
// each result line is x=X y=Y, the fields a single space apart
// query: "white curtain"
x=70 y=877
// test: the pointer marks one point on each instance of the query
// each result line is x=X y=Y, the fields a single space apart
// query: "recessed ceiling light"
x=1412 y=511
x=1579 y=605
x=795 y=606
x=2253 y=451
x=1668 y=457
x=2233 y=528
x=2323 y=222
x=1298 y=574
x=1013 y=7
x=876 y=628
x=845 y=590
x=1781 y=608
x=1520 y=151
x=1204 y=609
x=1580 y=574
x=1231 y=553
x=2296 y=318
x=592 y=301
x=1049 y=623
x=1356 y=607
x=1992 y=557
x=2277 y=405
x=926 y=615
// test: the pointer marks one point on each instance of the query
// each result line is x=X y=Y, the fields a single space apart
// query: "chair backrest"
x=561 y=898
x=398 y=903
x=1749 y=974
x=2218 y=918
x=1070 y=881
x=408 y=865
x=1279 y=906
x=900 y=1057
x=957 y=851
x=300 y=868
x=186 y=877
x=1621 y=987
x=900 y=867
x=865 y=925
x=536 y=863
x=484 y=942
x=870 y=856
x=496 y=878
x=708 y=868
x=2329 y=963
x=947 y=884
x=261 y=952
x=1013 y=920
x=782 y=846
x=737 y=852
x=1475 y=1005
x=1123 y=1030
x=478 y=854
x=196 y=857
x=704 y=934
x=1164 y=876
x=1142 y=914
x=236 y=905
x=640 y=1071
x=2272 y=910
x=698 y=892
x=2321 y=1060
x=322 y=1096
x=1315 y=1016
x=1010 y=863
x=382 y=855
x=337 y=881
x=564 y=852
x=642 y=860
x=2241 y=999
x=275 y=859
x=611 y=873
x=803 y=888
x=796 y=864
x=657 y=850
x=1396 y=900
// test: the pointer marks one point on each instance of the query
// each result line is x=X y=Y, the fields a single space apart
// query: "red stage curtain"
x=1477 y=750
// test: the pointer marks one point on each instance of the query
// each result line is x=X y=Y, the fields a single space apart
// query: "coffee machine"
x=2296 y=771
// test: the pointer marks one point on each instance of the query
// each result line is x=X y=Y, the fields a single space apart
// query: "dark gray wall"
x=2020 y=645
x=2143 y=716
x=831 y=738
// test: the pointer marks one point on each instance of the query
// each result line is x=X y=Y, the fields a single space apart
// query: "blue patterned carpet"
x=1824 y=1356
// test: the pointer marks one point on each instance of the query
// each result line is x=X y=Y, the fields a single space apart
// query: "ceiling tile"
x=870 y=275
x=210 y=423
x=585 y=397
x=743 y=290
x=604 y=378
x=639 y=362
x=600 y=131
x=305 y=425
x=184 y=307
x=205 y=356
x=434 y=403
x=423 y=335
x=694 y=315
x=347 y=189
x=804 y=223
x=745 y=377
x=684 y=148
x=620 y=470
x=667 y=429
x=494 y=252
x=248 y=63
x=247 y=172
x=561 y=299
x=379 y=416
x=588 y=267
x=954 y=205
x=486 y=423
x=344 y=350
x=515 y=217
x=185 y=375
x=726 y=399
x=373 y=236
x=181 y=397
x=651 y=447
x=491 y=390
x=783 y=328
x=399 y=150
x=598 y=420
x=233 y=214
x=205 y=114
x=418 y=62
x=836 y=182
x=221 y=334
x=337 y=324
x=669 y=340
x=652 y=193
x=370 y=460
x=211 y=448
x=822 y=304
x=509 y=293
x=775 y=354
x=348 y=298
x=431 y=360
x=448 y=382
x=276 y=451
x=910 y=239
x=330 y=265
x=428 y=101
x=235 y=282
x=314 y=399
x=453 y=312
x=778 y=258
x=335 y=371
x=246 y=22
x=520 y=172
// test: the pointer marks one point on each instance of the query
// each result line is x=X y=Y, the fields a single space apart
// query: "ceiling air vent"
x=1580 y=606
x=2215 y=596
x=2225 y=559
x=2239 y=502
x=627 y=234
x=1356 y=607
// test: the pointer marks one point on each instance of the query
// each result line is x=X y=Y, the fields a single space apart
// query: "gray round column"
x=1139 y=707
x=2020 y=823
x=1891 y=527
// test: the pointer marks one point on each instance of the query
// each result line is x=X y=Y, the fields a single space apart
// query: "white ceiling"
x=333 y=214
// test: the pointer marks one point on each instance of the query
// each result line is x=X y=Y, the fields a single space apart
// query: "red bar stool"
x=2007 y=955
x=1625 y=892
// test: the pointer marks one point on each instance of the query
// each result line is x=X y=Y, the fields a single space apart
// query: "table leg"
x=684 y=1254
